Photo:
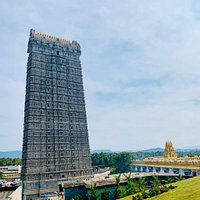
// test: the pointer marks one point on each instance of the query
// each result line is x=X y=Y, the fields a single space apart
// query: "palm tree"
x=180 y=177
x=132 y=187
x=1 y=175
x=156 y=182
x=105 y=194
x=128 y=177
x=117 y=179
x=119 y=190
x=93 y=192
x=168 y=179
x=142 y=184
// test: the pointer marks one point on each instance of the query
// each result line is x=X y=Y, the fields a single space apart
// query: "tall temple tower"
x=55 y=140
x=169 y=152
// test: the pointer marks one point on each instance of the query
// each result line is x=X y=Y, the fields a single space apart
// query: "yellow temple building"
x=168 y=163
x=169 y=152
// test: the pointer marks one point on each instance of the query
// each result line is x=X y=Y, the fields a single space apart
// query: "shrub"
x=145 y=195
x=105 y=194
x=164 y=189
x=134 y=198
x=93 y=192
x=156 y=191
x=140 y=197
x=132 y=187
x=172 y=187
x=168 y=179
x=120 y=192
x=78 y=197
x=152 y=193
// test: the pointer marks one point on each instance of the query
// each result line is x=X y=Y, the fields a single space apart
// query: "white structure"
x=11 y=168
x=17 y=194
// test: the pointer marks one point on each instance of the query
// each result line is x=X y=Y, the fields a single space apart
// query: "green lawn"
x=186 y=190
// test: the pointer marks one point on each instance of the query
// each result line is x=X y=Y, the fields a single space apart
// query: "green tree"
x=77 y=197
x=132 y=187
x=168 y=179
x=93 y=192
x=181 y=177
x=105 y=194
x=1 y=175
x=122 y=162
x=10 y=161
x=142 y=184
x=156 y=182
x=117 y=180
x=119 y=190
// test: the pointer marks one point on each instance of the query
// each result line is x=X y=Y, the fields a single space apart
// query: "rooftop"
x=103 y=181
x=55 y=39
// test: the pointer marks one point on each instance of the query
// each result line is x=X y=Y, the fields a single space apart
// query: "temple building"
x=168 y=164
x=169 y=152
x=55 y=139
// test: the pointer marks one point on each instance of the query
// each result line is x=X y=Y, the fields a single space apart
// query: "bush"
x=140 y=197
x=145 y=195
x=134 y=198
x=156 y=191
x=164 y=189
x=120 y=192
x=78 y=197
x=93 y=192
x=105 y=194
x=152 y=193
x=172 y=187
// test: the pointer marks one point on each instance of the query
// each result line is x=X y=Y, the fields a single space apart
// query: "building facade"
x=55 y=140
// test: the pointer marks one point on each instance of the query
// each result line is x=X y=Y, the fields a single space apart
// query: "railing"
x=191 y=163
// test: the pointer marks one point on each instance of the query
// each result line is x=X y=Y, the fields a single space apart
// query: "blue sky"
x=141 y=68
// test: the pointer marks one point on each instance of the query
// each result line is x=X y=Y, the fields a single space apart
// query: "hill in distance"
x=10 y=154
x=145 y=151
x=18 y=154
x=102 y=151
x=158 y=149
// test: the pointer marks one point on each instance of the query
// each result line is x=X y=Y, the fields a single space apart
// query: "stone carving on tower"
x=55 y=140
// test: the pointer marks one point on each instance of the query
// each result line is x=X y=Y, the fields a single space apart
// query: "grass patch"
x=186 y=189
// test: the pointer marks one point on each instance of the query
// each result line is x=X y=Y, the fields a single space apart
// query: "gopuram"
x=169 y=152
x=55 y=139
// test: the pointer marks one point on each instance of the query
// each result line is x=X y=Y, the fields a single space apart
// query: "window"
x=57 y=52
